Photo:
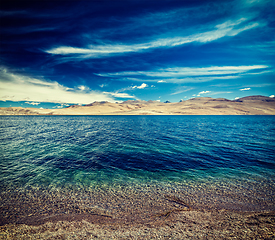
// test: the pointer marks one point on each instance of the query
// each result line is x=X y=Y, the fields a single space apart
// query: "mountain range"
x=251 y=105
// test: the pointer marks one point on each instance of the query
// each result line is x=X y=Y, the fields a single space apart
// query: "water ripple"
x=96 y=149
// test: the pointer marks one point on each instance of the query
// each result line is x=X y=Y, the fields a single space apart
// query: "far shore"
x=252 y=105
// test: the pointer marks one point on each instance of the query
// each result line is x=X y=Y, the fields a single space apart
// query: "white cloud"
x=262 y=72
x=228 y=28
x=203 y=92
x=216 y=93
x=58 y=106
x=245 y=89
x=83 y=88
x=186 y=74
x=17 y=87
x=161 y=81
x=119 y=95
x=33 y=103
x=184 y=79
x=236 y=98
x=272 y=96
x=142 y=86
x=62 y=105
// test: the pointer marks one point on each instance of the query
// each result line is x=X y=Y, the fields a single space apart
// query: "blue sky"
x=57 y=53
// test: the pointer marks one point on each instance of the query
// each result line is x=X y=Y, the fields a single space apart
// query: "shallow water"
x=53 y=165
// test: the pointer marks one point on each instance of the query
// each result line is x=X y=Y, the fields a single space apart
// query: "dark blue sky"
x=55 y=53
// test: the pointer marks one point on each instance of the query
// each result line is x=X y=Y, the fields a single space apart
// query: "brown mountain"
x=252 y=105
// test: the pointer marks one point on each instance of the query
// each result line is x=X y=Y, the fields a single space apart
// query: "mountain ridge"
x=250 y=105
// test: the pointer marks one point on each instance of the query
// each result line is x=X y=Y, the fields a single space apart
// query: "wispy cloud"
x=191 y=79
x=186 y=74
x=229 y=28
x=17 y=87
x=119 y=95
x=12 y=13
x=182 y=89
x=216 y=93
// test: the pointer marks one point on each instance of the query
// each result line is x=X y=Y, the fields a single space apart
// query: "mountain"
x=252 y=105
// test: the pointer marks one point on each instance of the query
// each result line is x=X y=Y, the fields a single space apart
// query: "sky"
x=57 y=53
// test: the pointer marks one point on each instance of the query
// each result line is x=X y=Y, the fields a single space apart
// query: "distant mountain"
x=251 y=105
x=96 y=103
x=133 y=102
x=257 y=98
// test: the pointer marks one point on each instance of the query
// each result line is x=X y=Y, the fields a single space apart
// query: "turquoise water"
x=213 y=161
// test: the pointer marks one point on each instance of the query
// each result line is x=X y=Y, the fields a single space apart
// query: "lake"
x=125 y=167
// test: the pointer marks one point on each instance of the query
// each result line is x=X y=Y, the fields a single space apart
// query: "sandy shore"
x=177 y=225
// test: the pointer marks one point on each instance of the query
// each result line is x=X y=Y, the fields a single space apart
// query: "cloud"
x=62 y=105
x=182 y=89
x=203 y=92
x=227 y=29
x=182 y=80
x=11 y=13
x=131 y=88
x=161 y=81
x=33 y=103
x=17 y=87
x=272 y=96
x=186 y=74
x=216 y=93
x=245 y=89
x=119 y=95
x=142 y=86
x=188 y=71
x=103 y=85
x=83 y=88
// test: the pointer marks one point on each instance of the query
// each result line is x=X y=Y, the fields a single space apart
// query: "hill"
x=252 y=105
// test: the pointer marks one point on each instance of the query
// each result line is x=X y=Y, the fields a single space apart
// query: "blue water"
x=203 y=156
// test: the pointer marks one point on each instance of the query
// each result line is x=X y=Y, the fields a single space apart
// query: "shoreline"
x=130 y=214
x=179 y=225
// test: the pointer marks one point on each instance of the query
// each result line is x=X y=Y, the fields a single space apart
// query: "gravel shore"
x=176 y=225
